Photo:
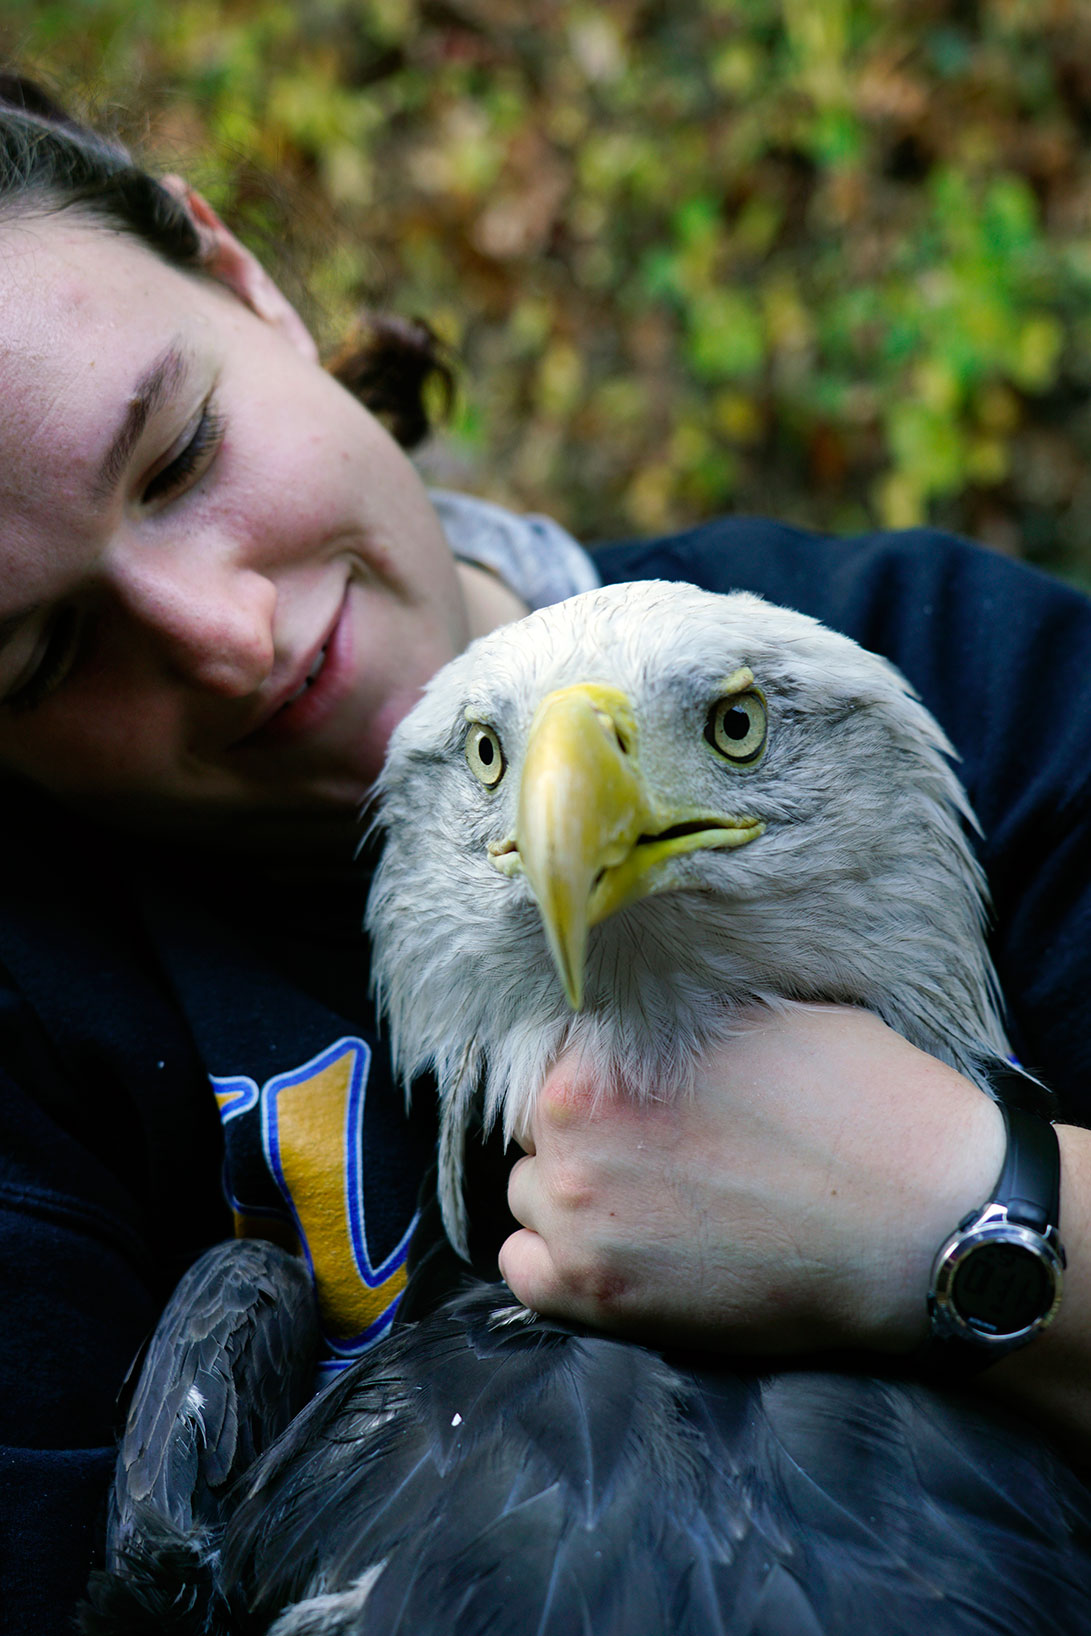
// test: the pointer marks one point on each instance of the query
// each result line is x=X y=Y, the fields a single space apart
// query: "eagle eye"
x=736 y=727
x=484 y=754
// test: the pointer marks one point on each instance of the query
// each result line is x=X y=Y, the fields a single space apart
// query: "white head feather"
x=860 y=888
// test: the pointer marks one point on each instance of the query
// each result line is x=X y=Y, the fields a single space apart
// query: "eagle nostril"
x=612 y=729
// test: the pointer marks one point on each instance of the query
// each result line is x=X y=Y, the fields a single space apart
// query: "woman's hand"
x=796 y=1200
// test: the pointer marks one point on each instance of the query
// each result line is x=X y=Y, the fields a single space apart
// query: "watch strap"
x=1029 y=1184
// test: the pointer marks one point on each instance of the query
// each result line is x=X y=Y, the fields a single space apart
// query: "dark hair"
x=51 y=161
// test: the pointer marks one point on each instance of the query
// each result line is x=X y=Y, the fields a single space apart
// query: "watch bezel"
x=990 y=1227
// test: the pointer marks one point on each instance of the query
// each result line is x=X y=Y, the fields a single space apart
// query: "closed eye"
x=55 y=655
x=194 y=457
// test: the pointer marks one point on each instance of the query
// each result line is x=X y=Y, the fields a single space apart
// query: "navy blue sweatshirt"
x=158 y=1012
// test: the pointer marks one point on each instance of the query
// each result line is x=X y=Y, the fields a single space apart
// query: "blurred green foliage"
x=826 y=259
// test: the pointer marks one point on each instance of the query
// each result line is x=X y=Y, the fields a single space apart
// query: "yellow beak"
x=588 y=836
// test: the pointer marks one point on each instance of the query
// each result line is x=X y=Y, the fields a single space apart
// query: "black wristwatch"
x=996 y=1282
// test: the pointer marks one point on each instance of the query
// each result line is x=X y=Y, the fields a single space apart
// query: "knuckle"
x=566 y=1099
x=570 y=1186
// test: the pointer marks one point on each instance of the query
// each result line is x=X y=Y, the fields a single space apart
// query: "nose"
x=209 y=619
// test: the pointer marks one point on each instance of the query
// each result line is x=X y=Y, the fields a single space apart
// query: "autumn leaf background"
x=828 y=260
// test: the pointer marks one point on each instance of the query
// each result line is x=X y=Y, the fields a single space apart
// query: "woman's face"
x=221 y=582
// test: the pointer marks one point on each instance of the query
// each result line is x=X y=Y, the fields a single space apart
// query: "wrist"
x=947 y=1167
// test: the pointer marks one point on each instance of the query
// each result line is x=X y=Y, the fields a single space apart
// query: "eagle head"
x=617 y=823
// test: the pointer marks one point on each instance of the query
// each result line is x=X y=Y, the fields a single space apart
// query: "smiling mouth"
x=308 y=680
x=303 y=710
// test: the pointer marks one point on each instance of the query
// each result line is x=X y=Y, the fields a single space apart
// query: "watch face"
x=1001 y=1288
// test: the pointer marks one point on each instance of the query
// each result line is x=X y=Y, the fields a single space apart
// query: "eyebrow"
x=149 y=394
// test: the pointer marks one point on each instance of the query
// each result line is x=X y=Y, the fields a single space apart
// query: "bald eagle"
x=609 y=829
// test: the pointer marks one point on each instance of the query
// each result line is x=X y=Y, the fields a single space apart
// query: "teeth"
x=312 y=674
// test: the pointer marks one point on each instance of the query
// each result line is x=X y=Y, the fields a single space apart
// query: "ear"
x=230 y=263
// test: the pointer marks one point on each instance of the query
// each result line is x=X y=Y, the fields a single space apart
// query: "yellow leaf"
x=899 y=501
x=988 y=460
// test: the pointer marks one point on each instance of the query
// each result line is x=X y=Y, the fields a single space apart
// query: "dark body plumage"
x=514 y=1477
x=480 y=1473
x=230 y=1363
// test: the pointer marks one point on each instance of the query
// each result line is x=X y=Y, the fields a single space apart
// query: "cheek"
x=274 y=503
x=286 y=462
